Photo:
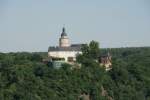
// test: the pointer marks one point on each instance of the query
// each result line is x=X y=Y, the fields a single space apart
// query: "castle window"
x=70 y=59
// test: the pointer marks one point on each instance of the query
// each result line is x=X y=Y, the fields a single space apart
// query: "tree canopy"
x=24 y=77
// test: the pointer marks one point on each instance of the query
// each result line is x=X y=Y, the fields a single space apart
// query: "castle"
x=67 y=52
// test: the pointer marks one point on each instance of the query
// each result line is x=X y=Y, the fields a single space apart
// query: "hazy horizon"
x=34 y=25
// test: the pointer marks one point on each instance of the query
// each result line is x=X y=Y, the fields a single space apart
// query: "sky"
x=34 y=25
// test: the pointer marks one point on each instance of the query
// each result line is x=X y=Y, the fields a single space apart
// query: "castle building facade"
x=105 y=61
x=66 y=51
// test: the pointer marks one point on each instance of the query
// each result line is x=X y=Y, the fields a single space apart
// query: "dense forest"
x=23 y=76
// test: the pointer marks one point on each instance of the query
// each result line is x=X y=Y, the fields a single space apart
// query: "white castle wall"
x=64 y=54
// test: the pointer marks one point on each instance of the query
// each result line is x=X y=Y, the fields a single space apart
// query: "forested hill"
x=24 y=77
x=130 y=76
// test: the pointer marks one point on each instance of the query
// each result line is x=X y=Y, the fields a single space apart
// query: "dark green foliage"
x=90 y=53
x=24 y=77
x=130 y=78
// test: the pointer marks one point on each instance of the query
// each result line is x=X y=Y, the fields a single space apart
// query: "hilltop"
x=24 y=77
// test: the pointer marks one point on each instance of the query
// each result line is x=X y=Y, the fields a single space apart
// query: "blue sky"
x=33 y=25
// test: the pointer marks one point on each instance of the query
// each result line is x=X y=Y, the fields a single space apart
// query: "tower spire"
x=63 y=30
x=64 y=40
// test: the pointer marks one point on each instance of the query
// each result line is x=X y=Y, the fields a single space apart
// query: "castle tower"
x=64 y=40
